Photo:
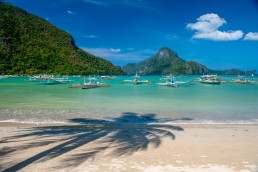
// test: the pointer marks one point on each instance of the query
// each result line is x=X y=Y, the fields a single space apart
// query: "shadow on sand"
x=86 y=138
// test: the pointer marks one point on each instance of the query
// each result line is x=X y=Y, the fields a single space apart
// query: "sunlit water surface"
x=189 y=103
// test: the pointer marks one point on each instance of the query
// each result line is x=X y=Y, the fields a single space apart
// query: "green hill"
x=31 y=45
x=164 y=62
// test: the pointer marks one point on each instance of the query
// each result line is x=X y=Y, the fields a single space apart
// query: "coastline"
x=128 y=147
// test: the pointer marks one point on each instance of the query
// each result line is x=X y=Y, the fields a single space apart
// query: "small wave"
x=33 y=121
x=69 y=116
x=217 y=122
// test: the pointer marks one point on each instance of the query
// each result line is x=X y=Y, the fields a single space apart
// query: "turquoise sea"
x=22 y=101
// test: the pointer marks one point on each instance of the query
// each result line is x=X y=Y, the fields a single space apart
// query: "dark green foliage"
x=164 y=62
x=31 y=45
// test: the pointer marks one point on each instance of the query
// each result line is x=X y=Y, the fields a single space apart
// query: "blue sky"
x=220 y=34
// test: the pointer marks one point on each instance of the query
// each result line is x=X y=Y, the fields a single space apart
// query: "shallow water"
x=202 y=103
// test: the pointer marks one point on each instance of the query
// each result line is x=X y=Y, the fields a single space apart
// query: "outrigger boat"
x=169 y=81
x=39 y=78
x=93 y=83
x=136 y=80
x=210 y=79
x=243 y=80
x=107 y=77
x=51 y=82
x=63 y=80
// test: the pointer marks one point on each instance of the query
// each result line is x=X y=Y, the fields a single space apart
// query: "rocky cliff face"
x=163 y=62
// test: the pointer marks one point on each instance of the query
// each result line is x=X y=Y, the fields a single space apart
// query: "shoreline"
x=29 y=124
x=168 y=122
x=128 y=147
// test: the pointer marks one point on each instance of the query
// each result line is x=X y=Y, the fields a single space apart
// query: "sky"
x=221 y=34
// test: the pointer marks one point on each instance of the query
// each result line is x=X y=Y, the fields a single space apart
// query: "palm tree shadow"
x=124 y=135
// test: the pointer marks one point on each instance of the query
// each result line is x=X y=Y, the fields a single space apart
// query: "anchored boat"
x=136 y=80
x=93 y=83
x=210 y=79
x=168 y=80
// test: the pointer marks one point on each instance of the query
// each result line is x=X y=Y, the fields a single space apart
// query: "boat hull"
x=210 y=82
x=88 y=86
x=168 y=84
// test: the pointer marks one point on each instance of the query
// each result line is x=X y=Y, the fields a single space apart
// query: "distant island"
x=167 y=61
x=31 y=45
x=163 y=62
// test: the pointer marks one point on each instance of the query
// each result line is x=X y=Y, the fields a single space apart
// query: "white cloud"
x=219 y=35
x=207 y=28
x=130 y=49
x=69 y=12
x=90 y=36
x=96 y=2
x=115 y=50
x=251 y=36
x=207 y=23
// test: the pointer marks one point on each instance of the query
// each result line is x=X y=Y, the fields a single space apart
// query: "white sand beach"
x=128 y=147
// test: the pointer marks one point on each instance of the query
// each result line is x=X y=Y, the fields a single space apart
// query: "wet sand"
x=128 y=147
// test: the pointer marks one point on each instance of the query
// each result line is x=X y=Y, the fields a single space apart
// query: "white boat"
x=93 y=83
x=50 y=82
x=210 y=79
x=169 y=80
x=38 y=78
x=107 y=77
x=243 y=80
x=136 y=80
x=63 y=79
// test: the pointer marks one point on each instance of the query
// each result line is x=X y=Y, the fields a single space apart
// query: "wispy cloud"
x=120 y=57
x=69 y=12
x=97 y=2
x=251 y=36
x=90 y=36
x=207 y=28
x=108 y=3
x=130 y=49
x=135 y=3
x=171 y=37
x=115 y=50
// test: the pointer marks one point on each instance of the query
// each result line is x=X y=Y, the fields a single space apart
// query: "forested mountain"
x=31 y=45
x=164 y=62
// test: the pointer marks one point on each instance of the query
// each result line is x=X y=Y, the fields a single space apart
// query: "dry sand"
x=128 y=147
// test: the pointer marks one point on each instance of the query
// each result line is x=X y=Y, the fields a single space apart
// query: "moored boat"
x=210 y=79
x=168 y=80
x=93 y=83
x=136 y=80
x=242 y=80
x=51 y=82
x=107 y=77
